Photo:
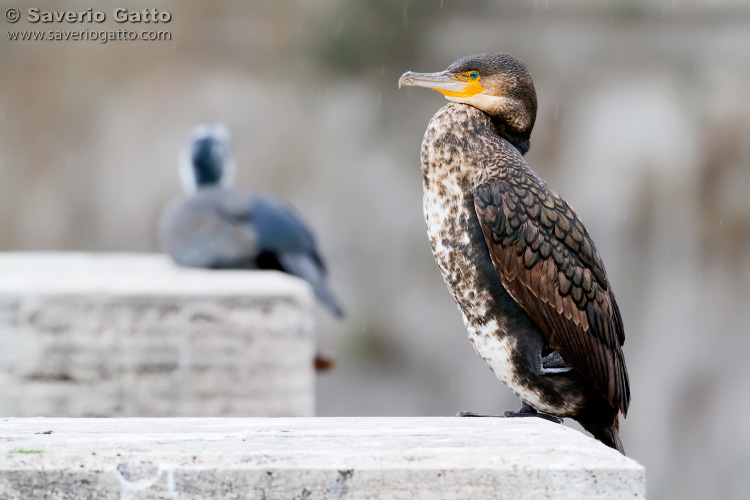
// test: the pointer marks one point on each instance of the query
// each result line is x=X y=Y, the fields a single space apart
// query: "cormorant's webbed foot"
x=472 y=414
x=524 y=411
x=528 y=411
x=553 y=362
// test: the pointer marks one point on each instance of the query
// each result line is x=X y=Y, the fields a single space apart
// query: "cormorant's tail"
x=303 y=266
x=609 y=435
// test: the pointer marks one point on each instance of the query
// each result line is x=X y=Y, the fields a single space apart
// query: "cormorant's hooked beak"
x=446 y=83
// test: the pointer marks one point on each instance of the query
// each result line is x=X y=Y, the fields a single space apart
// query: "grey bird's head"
x=206 y=160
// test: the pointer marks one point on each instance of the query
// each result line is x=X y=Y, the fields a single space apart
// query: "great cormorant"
x=535 y=298
x=216 y=226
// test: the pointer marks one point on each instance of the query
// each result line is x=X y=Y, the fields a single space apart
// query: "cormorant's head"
x=206 y=160
x=496 y=83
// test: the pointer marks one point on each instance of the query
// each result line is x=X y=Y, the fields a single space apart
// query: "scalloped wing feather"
x=549 y=265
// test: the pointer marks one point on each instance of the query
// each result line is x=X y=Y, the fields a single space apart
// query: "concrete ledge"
x=323 y=458
x=104 y=335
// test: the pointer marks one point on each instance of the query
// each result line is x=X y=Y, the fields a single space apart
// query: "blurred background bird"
x=216 y=226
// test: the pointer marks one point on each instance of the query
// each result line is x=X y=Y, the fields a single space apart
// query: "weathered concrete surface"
x=106 y=335
x=309 y=458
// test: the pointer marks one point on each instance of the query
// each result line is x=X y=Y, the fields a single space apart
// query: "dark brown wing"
x=549 y=265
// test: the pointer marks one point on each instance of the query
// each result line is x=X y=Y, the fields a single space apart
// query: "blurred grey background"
x=644 y=127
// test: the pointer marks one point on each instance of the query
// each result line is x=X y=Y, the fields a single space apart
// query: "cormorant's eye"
x=474 y=75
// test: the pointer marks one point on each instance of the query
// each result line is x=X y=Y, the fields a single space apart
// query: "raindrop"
x=700 y=277
x=2 y=115
x=70 y=158
x=406 y=17
x=339 y=26
x=721 y=221
x=380 y=99
x=695 y=65
x=382 y=71
x=441 y=3
x=557 y=112
x=453 y=384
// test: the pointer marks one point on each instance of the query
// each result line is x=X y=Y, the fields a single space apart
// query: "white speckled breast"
x=449 y=229
x=453 y=259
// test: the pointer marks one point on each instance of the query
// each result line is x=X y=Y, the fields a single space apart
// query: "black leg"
x=553 y=362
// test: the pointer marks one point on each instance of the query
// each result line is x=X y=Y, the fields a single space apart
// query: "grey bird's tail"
x=305 y=267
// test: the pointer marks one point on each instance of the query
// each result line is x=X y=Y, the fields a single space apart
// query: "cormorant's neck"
x=207 y=172
x=206 y=185
x=519 y=140
x=200 y=187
